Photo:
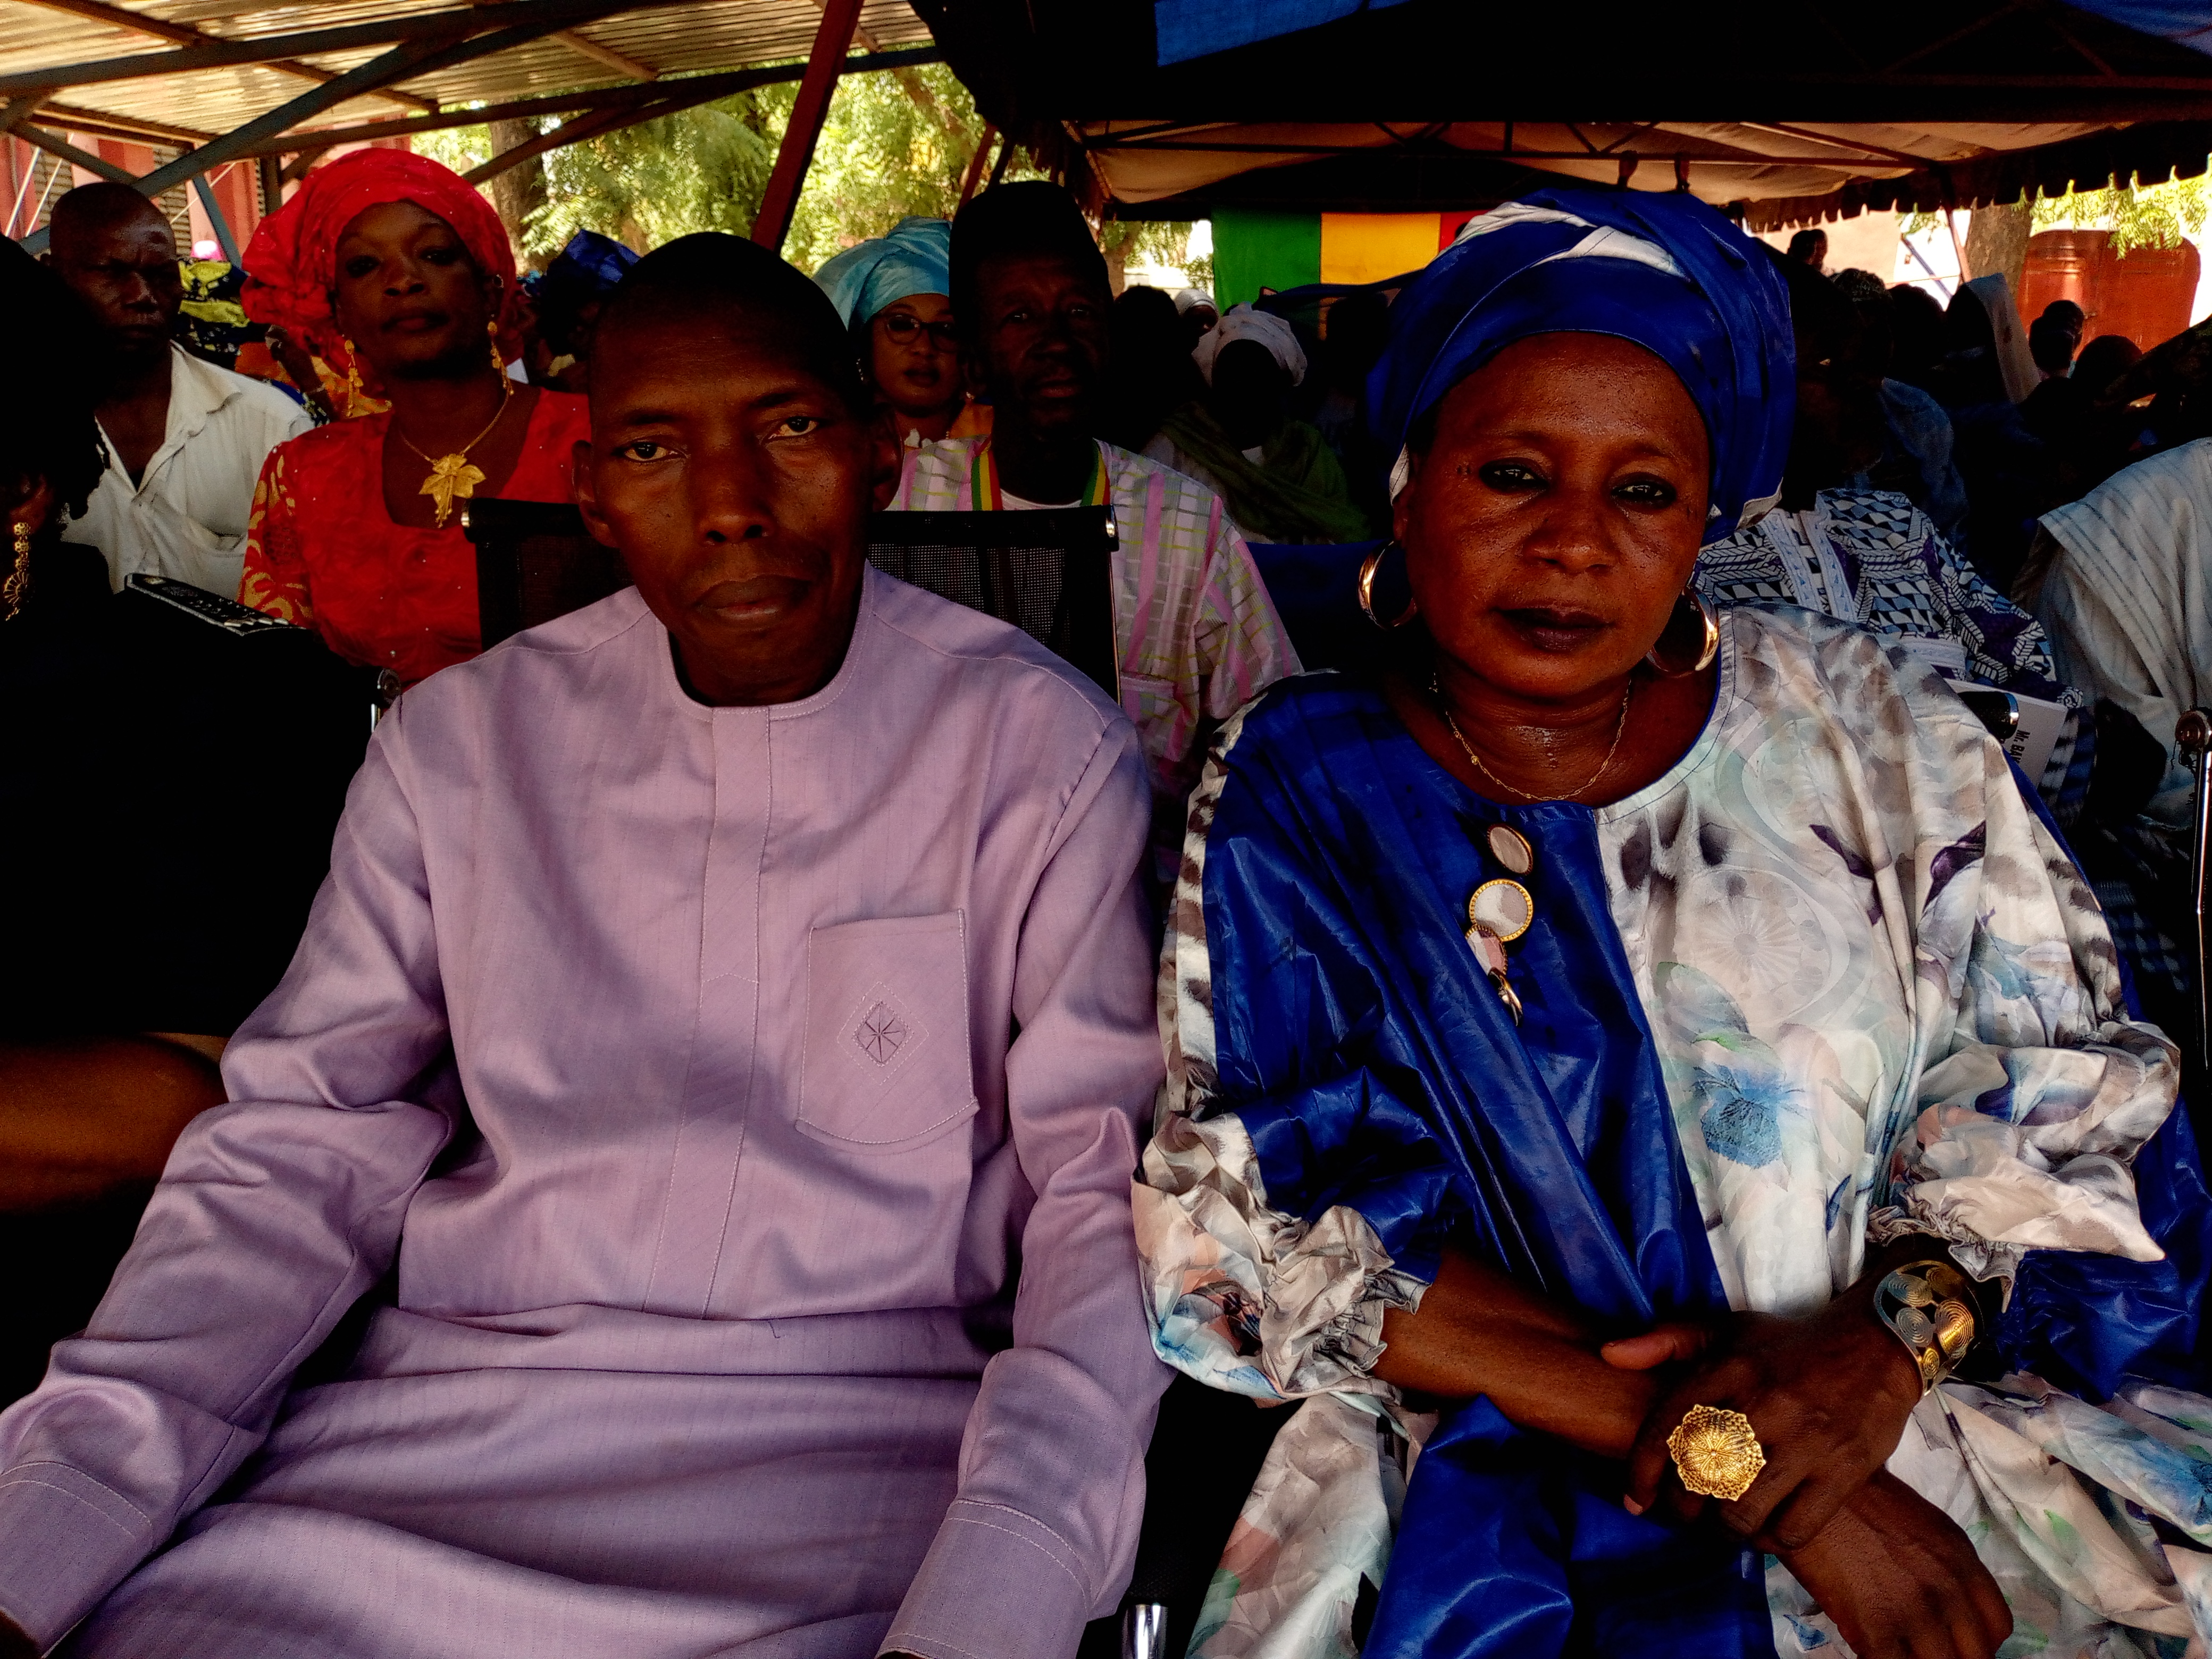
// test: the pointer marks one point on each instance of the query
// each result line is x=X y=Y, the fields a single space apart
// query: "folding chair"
x=2192 y=735
x=535 y=561
x=1207 y=1450
x=1049 y=573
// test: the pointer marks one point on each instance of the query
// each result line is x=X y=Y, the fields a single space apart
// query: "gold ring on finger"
x=1717 y=1452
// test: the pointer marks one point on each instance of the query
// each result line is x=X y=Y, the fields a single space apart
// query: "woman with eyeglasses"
x=893 y=292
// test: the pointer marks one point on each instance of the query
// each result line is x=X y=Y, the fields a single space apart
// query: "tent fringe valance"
x=2150 y=153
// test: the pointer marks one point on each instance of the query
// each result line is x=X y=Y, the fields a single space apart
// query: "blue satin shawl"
x=1374 y=1065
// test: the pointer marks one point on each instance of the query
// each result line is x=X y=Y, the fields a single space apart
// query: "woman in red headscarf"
x=394 y=265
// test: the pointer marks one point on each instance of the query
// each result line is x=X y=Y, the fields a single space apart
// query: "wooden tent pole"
x=973 y=176
x=831 y=42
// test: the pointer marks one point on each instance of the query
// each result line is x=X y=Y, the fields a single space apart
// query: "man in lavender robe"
x=717 y=995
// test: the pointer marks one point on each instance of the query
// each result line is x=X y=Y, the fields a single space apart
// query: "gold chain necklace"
x=451 y=476
x=1436 y=690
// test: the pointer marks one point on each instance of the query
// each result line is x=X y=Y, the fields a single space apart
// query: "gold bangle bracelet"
x=1929 y=1306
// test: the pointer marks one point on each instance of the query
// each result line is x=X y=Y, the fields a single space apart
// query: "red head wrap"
x=291 y=265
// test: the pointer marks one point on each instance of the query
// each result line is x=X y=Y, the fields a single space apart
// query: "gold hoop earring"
x=17 y=587
x=1709 y=638
x=1368 y=568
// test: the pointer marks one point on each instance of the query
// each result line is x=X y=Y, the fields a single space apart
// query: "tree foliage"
x=884 y=154
x=895 y=142
x=2138 y=215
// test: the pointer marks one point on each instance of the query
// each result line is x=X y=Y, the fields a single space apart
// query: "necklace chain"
x=505 y=396
x=1620 y=726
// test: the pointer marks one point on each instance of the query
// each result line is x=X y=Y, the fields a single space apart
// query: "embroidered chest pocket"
x=886 y=1064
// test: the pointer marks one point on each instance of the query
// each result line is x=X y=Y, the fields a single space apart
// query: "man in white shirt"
x=186 y=439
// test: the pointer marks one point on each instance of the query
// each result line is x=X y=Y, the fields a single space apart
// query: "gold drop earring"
x=353 y=377
x=17 y=587
x=499 y=365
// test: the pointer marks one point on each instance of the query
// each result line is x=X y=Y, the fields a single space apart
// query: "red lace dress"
x=321 y=550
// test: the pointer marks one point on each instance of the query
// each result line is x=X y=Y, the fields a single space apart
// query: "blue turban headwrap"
x=916 y=258
x=1664 y=271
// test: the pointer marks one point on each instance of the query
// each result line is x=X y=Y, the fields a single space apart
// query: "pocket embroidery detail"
x=886 y=1033
x=887 y=1069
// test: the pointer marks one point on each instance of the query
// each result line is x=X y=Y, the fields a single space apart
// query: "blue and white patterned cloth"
x=1872 y=558
x=1867 y=994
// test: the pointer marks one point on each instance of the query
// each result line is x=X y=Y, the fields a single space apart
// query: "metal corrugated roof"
x=40 y=35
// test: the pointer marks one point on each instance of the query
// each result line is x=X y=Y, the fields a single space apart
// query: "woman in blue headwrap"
x=1630 y=1067
x=894 y=292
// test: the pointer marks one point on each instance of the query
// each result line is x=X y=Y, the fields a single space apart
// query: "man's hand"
x=1900 y=1580
x=1827 y=1395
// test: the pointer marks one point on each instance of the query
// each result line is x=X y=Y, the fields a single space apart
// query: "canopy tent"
x=1197 y=28
x=1800 y=112
x=252 y=82
x=107 y=64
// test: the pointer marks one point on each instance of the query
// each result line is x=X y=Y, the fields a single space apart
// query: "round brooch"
x=1716 y=1451
x=1511 y=848
x=1502 y=908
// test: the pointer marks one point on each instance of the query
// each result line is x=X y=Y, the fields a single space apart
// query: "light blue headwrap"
x=1665 y=271
x=916 y=258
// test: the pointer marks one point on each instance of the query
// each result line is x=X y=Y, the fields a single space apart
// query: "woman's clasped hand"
x=1828 y=1396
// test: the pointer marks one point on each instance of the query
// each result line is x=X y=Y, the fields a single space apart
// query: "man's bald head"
x=92 y=209
x=116 y=250
x=709 y=274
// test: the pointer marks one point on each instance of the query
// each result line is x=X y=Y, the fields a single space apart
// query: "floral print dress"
x=1882 y=1001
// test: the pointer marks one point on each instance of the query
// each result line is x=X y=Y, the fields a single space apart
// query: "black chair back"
x=1049 y=573
x=535 y=561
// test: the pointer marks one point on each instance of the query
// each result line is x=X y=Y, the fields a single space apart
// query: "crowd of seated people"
x=1674 y=1139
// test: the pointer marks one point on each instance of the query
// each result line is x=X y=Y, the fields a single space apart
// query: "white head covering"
x=1243 y=323
x=2129 y=601
x=1188 y=300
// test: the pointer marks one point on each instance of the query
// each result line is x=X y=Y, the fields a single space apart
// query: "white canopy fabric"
x=1140 y=161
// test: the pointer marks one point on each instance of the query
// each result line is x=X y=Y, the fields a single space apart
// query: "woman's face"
x=408 y=295
x=1557 y=513
x=914 y=357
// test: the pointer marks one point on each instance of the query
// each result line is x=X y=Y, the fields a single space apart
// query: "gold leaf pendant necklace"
x=454 y=476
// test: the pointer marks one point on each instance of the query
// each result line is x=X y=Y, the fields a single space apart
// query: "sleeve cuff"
x=65 y=1540
x=996 y=1584
x=1245 y=1297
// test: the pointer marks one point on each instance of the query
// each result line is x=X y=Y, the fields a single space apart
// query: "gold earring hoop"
x=1709 y=639
x=17 y=587
x=1368 y=569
